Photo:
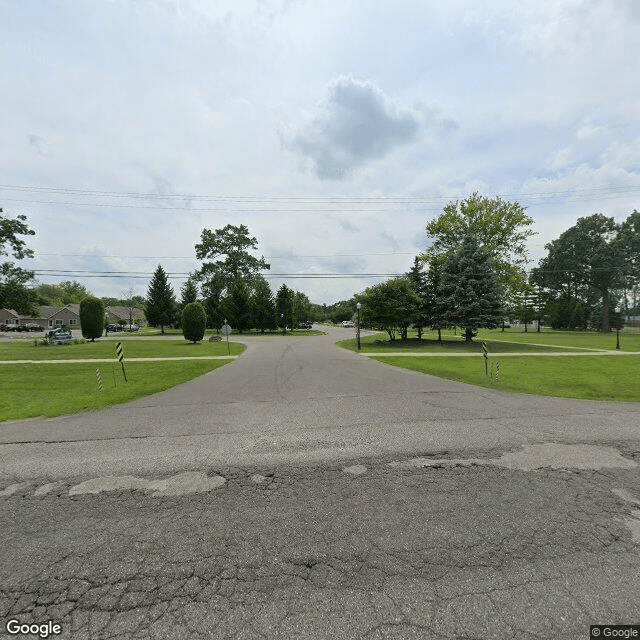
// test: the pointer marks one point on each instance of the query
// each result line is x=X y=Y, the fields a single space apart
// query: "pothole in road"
x=537 y=456
x=178 y=485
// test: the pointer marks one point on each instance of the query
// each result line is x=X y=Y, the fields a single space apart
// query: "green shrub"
x=194 y=322
x=91 y=317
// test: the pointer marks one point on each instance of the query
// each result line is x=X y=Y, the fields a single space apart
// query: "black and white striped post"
x=497 y=370
x=120 y=354
x=486 y=357
x=99 y=378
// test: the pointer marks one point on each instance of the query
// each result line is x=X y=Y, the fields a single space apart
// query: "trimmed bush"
x=91 y=317
x=194 y=322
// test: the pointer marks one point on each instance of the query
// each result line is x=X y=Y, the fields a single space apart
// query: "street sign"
x=226 y=329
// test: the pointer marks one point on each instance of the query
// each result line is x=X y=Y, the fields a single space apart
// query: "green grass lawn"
x=132 y=347
x=31 y=390
x=629 y=340
x=607 y=377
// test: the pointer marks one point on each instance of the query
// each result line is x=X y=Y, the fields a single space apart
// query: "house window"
x=59 y=322
x=72 y=320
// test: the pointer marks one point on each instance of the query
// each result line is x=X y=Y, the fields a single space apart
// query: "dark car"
x=304 y=325
x=12 y=326
x=31 y=326
x=114 y=328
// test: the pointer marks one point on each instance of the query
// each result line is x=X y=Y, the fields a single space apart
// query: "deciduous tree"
x=500 y=227
x=390 y=306
x=14 y=291
x=225 y=253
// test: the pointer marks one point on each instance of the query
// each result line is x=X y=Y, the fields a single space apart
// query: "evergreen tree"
x=212 y=291
x=433 y=306
x=188 y=292
x=91 y=317
x=284 y=307
x=418 y=280
x=194 y=322
x=469 y=289
x=237 y=308
x=263 y=308
x=160 y=308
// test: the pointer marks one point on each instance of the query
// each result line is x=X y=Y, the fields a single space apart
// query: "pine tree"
x=161 y=304
x=237 y=307
x=263 y=308
x=91 y=317
x=188 y=292
x=418 y=280
x=469 y=289
x=284 y=307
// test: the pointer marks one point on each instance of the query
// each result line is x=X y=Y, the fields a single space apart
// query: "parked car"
x=304 y=325
x=133 y=327
x=12 y=326
x=114 y=327
x=31 y=326
x=347 y=323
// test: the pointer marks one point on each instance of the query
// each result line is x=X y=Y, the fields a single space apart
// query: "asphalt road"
x=304 y=491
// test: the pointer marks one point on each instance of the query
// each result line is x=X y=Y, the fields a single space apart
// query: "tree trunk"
x=468 y=334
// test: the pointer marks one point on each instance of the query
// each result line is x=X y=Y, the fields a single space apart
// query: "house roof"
x=45 y=311
x=11 y=312
x=123 y=312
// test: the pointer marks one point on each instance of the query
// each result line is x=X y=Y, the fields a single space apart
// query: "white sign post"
x=226 y=330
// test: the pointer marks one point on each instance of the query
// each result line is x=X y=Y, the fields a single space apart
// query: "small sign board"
x=226 y=329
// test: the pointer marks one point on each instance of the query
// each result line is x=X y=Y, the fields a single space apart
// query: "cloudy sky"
x=333 y=129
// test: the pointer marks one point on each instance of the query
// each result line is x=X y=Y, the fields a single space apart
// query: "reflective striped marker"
x=486 y=357
x=120 y=354
x=497 y=371
x=99 y=377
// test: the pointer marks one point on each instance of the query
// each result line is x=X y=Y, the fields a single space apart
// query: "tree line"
x=229 y=287
x=474 y=274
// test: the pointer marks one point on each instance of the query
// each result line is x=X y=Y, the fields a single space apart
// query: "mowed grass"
x=606 y=377
x=629 y=338
x=132 y=347
x=32 y=390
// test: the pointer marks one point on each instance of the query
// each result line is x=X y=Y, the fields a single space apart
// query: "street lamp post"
x=358 y=326
x=282 y=320
x=617 y=329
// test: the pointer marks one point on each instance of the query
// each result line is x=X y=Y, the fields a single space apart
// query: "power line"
x=329 y=255
x=299 y=198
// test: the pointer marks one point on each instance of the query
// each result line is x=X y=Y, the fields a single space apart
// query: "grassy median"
x=50 y=389
x=608 y=376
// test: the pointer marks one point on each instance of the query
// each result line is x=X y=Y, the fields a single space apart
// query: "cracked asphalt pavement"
x=307 y=492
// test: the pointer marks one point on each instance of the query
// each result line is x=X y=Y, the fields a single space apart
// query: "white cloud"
x=358 y=122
